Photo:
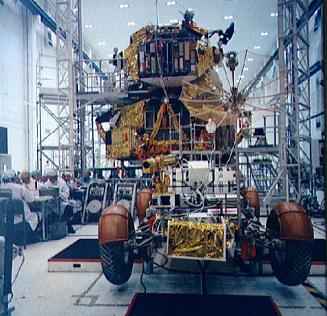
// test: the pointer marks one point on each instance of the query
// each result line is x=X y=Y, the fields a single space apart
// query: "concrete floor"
x=38 y=292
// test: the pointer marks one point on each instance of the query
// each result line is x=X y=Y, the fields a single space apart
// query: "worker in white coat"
x=66 y=209
x=22 y=193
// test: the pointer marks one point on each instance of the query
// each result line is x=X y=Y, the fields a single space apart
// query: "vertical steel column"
x=282 y=100
x=81 y=113
x=294 y=123
x=66 y=20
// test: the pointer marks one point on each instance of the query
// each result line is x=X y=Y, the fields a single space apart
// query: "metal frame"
x=67 y=28
x=294 y=119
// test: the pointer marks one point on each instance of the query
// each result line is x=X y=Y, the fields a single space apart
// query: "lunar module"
x=195 y=207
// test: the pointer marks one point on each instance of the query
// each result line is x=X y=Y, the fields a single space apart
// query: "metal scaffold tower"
x=295 y=174
x=67 y=34
x=58 y=125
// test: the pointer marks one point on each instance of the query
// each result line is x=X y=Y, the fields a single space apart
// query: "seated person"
x=68 y=178
x=76 y=196
x=31 y=219
x=67 y=213
x=28 y=182
x=86 y=179
x=37 y=177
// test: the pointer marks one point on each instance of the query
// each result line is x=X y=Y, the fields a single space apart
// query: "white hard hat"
x=52 y=173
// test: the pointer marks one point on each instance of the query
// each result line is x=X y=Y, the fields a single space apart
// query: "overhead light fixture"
x=102 y=43
x=171 y=2
x=250 y=59
x=124 y=6
x=264 y=33
x=273 y=14
x=88 y=26
x=131 y=23
x=245 y=68
x=173 y=21
x=228 y=17
x=257 y=47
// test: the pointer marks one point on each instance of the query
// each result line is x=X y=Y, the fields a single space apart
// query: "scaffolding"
x=58 y=144
x=282 y=170
x=67 y=34
x=294 y=104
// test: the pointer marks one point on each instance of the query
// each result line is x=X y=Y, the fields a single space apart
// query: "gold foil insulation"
x=122 y=142
x=197 y=240
x=203 y=98
x=205 y=61
x=132 y=115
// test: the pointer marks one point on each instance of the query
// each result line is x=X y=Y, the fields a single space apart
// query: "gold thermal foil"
x=206 y=61
x=197 y=240
x=122 y=142
x=203 y=98
x=132 y=115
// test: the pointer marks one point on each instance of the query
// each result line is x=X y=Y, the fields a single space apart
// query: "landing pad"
x=84 y=256
x=160 y=304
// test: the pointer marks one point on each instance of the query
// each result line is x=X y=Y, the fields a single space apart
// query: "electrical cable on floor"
x=141 y=278
x=164 y=256
x=163 y=265
x=20 y=267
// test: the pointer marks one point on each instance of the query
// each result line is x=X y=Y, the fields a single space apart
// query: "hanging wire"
x=259 y=88
x=19 y=269
x=141 y=278
x=204 y=101
x=267 y=96
x=157 y=14
x=271 y=109
x=202 y=89
x=238 y=84
x=226 y=75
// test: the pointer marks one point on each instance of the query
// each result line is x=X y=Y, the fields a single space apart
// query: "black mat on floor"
x=159 y=304
x=80 y=249
x=89 y=249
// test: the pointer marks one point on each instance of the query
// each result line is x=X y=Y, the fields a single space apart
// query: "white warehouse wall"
x=22 y=40
x=13 y=81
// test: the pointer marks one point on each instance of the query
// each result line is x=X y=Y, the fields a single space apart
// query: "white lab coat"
x=22 y=193
x=63 y=192
x=63 y=188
